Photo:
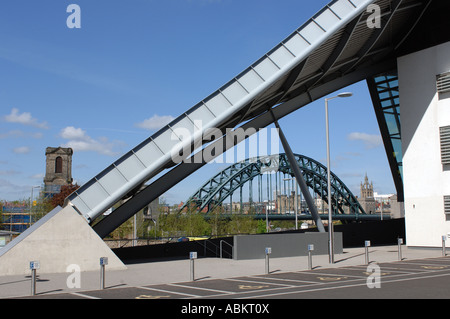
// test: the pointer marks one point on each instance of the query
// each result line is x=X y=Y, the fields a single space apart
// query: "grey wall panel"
x=283 y=245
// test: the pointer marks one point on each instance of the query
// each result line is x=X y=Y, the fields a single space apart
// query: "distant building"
x=58 y=168
x=367 y=200
x=366 y=188
x=372 y=202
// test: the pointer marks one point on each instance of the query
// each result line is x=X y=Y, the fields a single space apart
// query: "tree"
x=196 y=224
x=261 y=227
x=66 y=190
x=217 y=223
x=41 y=206
x=242 y=225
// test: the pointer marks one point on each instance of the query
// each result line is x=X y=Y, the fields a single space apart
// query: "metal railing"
x=220 y=245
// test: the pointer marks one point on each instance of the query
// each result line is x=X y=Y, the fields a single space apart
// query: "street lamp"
x=330 y=217
x=31 y=201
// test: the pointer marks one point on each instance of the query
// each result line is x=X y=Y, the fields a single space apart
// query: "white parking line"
x=170 y=292
x=336 y=275
x=340 y=287
x=83 y=295
x=201 y=288
x=286 y=279
x=258 y=282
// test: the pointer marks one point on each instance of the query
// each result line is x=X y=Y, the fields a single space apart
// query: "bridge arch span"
x=221 y=186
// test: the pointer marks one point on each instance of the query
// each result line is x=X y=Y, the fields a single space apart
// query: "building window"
x=447 y=205
x=444 y=133
x=58 y=165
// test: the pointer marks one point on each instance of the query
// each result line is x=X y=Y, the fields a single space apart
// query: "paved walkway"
x=177 y=271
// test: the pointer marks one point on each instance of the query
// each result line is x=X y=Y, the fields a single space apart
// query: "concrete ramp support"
x=59 y=239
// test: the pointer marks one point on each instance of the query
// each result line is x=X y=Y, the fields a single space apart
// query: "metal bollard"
x=268 y=252
x=367 y=245
x=400 y=243
x=34 y=265
x=192 y=257
x=103 y=263
x=444 y=251
x=310 y=250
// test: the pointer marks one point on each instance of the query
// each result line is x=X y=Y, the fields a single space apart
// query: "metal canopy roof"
x=350 y=49
x=333 y=49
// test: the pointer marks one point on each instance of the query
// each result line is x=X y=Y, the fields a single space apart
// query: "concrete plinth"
x=59 y=239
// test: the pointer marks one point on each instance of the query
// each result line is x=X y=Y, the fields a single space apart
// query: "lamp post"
x=31 y=202
x=330 y=217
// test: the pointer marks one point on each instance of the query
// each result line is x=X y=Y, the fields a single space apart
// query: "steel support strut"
x=299 y=177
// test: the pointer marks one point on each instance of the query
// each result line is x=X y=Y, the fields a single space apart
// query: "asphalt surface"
x=417 y=279
x=349 y=278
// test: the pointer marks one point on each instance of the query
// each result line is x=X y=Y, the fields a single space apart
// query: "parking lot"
x=421 y=278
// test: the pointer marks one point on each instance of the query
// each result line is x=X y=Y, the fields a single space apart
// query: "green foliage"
x=241 y=224
x=261 y=227
x=195 y=224
x=189 y=224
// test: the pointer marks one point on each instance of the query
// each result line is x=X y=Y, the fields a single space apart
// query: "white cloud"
x=21 y=150
x=370 y=140
x=79 y=141
x=72 y=133
x=155 y=122
x=24 y=118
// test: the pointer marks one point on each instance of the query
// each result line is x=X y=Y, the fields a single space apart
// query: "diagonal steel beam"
x=299 y=178
x=183 y=170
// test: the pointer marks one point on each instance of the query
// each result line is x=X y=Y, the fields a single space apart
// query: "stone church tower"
x=58 y=168
x=366 y=188
x=367 y=200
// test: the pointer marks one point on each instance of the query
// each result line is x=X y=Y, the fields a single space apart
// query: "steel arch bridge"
x=213 y=193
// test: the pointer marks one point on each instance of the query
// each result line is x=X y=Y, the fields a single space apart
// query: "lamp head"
x=345 y=94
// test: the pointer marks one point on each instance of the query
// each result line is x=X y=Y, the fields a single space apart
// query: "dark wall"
x=204 y=248
x=378 y=232
x=353 y=235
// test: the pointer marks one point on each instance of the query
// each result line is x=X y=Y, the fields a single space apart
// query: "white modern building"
x=424 y=85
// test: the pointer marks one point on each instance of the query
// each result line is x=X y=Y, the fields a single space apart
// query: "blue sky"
x=133 y=65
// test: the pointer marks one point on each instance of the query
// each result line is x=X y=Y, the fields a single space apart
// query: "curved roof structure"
x=214 y=191
x=335 y=48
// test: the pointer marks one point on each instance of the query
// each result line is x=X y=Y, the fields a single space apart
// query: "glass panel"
x=388 y=95
x=391 y=122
